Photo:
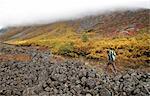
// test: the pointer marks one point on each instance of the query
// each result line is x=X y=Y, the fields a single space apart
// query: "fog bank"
x=25 y=12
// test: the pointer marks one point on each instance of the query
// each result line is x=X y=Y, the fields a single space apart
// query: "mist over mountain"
x=104 y=23
x=3 y=30
x=29 y=12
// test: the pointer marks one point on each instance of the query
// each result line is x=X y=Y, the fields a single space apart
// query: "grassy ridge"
x=90 y=45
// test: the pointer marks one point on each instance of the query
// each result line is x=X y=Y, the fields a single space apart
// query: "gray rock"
x=92 y=74
x=88 y=94
x=47 y=89
x=43 y=77
x=105 y=92
x=91 y=83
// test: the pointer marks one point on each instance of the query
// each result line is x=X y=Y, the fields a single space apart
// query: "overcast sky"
x=21 y=12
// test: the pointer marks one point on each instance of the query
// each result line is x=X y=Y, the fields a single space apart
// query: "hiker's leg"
x=114 y=67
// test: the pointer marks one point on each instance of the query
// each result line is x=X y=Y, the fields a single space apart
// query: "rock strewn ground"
x=40 y=76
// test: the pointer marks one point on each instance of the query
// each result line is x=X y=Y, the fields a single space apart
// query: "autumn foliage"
x=135 y=47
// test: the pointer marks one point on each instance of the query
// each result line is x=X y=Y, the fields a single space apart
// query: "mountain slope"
x=128 y=32
x=103 y=24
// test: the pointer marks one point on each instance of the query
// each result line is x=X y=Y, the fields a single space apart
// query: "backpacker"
x=111 y=55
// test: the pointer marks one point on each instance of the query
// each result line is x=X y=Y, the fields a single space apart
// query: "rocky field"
x=33 y=72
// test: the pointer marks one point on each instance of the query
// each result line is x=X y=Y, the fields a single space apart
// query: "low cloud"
x=23 y=12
